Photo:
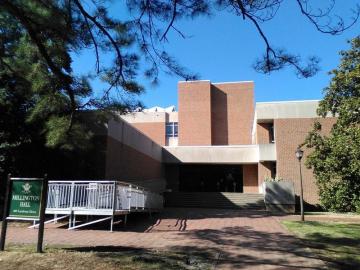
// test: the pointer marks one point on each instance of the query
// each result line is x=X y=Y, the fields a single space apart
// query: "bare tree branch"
x=163 y=37
x=328 y=28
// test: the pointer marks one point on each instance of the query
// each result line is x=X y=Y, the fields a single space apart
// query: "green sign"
x=25 y=198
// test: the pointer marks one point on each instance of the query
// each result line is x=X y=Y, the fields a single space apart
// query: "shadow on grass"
x=106 y=249
x=333 y=241
x=176 y=260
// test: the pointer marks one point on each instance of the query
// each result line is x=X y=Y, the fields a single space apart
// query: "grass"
x=21 y=224
x=346 y=214
x=68 y=258
x=334 y=242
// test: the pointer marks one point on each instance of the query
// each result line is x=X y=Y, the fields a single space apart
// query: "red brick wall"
x=289 y=133
x=194 y=113
x=262 y=133
x=232 y=103
x=154 y=130
x=250 y=178
x=218 y=114
x=219 y=117
x=264 y=171
x=127 y=164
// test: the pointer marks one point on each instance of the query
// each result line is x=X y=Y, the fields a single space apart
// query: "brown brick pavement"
x=234 y=239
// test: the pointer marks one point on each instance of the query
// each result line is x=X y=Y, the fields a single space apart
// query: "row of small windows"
x=172 y=129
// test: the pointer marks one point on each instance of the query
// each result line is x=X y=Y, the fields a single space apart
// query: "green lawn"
x=109 y=258
x=332 y=241
x=346 y=214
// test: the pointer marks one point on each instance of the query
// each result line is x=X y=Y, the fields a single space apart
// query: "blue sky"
x=223 y=48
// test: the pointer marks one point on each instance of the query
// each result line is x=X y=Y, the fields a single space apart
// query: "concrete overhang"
x=234 y=154
x=267 y=152
x=266 y=111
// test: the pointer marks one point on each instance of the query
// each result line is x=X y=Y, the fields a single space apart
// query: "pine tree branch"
x=163 y=37
x=64 y=78
x=108 y=35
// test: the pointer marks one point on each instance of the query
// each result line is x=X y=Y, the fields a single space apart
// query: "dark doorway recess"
x=210 y=178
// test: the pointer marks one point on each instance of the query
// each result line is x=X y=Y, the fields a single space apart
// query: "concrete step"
x=215 y=200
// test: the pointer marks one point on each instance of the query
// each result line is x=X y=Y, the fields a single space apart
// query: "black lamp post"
x=299 y=154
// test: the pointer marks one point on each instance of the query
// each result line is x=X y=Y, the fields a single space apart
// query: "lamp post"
x=299 y=154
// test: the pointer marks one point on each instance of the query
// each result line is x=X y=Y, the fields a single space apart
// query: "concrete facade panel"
x=172 y=117
x=267 y=152
x=286 y=109
x=289 y=133
x=144 y=117
x=130 y=136
x=129 y=165
x=211 y=154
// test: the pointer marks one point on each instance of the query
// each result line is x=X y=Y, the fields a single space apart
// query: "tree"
x=336 y=157
x=29 y=104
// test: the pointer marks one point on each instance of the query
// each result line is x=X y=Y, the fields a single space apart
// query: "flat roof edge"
x=215 y=146
x=193 y=81
x=233 y=82
x=215 y=82
x=289 y=101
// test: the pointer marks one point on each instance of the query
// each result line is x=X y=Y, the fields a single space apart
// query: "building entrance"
x=210 y=178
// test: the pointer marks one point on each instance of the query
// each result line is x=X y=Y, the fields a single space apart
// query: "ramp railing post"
x=57 y=203
x=114 y=202
x=125 y=220
x=143 y=199
x=137 y=198
x=71 y=203
x=129 y=197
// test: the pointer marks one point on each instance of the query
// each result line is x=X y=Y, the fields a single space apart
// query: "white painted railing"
x=100 y=195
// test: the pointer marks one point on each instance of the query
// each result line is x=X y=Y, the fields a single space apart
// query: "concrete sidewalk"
x=232 y=239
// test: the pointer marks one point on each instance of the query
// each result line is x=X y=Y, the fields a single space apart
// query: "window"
x=271 y=133
x=169 y=130
x=172 y=129
x=273 y=170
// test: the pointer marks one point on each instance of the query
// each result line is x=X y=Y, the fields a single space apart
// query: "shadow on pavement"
x=232 y=247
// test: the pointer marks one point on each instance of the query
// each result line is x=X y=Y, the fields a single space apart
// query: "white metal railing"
x=100 y=195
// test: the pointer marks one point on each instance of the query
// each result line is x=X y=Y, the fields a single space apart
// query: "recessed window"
x=172 y=129
x=273 y=170
x=271 y=133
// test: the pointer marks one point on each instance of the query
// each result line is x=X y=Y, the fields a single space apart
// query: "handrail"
x=98 y=181
x=82 y=195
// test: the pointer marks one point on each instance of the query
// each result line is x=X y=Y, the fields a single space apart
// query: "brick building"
x=219 y=140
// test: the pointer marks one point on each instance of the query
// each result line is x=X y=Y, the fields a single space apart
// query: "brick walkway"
x=233 y=239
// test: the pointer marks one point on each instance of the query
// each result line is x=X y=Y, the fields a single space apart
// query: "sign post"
x=25 y=199
x=5 y=213
x=42 y=215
